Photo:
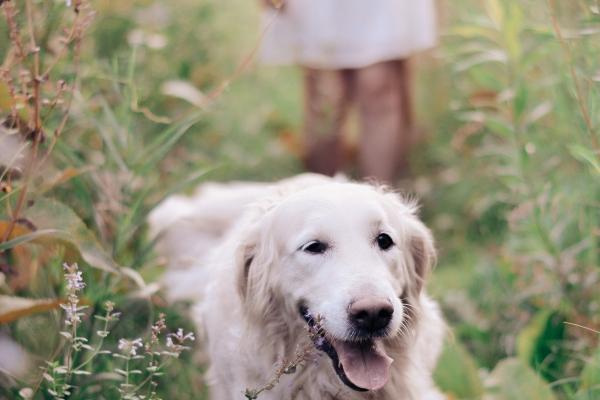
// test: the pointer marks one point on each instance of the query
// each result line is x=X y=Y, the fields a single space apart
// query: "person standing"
x=353 y=53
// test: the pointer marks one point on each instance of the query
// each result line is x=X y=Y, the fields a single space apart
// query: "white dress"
x=334 y=34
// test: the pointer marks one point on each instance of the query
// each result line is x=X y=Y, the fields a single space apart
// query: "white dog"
x=345 y=261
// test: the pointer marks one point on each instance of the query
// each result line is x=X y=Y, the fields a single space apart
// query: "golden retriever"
x=273 y=260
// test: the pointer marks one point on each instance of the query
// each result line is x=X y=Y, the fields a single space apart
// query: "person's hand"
x=276 y=4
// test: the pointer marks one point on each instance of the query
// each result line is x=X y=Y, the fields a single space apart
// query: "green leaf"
x=512 y=379
x=587 y=156
x=537 y=344
x=500 y=126
x=591 y=394
x=521 y=97
x=69 y=230
x=474 y=31
x=456 y=373
x=528 y=337
x=495 y=12
x=512 y=31
x=22 y=239
x=484 y=57
x=163 y=143
x=590 y=376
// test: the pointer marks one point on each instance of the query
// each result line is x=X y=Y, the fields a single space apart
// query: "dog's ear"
x=417 y=240
x=422 y=250
x=244 y=258
x=255 y=257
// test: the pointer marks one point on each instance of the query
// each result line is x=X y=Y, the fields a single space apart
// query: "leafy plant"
x=129 y=109
x=72 y=176
x=70 y=373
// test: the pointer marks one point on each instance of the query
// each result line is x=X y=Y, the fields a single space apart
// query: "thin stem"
x=285 y=368
x=578 y=91
x=10 y=13
x=65 y=116
x=148 y=378
x=75 y=36
x=63 y=50
x=125 y=386
x=247 y=60
x=54 y=387
x=36 y=69
x=37 y=124
x=127 y=370
x=151 y=376
x=582 y=327
x=98 y=347
x=69 y=354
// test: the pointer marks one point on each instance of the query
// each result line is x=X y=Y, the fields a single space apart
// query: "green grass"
x=509 y=178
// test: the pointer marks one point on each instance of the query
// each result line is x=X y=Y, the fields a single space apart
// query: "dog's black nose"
x=371 y=315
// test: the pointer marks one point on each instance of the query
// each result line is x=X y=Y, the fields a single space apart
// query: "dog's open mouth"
x=361 y=365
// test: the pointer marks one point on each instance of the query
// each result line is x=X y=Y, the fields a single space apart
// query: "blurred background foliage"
x=508 y=171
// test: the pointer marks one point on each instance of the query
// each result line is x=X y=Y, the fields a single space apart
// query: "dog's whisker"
x=403 y=329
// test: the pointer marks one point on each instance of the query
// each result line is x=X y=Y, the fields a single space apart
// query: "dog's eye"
x=315 y=247
x=384 y=241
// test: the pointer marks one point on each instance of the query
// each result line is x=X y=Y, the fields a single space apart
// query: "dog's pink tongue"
x=368 y=367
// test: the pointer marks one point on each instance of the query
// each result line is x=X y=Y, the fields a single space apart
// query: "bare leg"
x=406 y=108
x=326 y=106
x=383 y=98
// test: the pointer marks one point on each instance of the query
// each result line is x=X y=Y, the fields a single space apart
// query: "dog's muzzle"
x=361 y=364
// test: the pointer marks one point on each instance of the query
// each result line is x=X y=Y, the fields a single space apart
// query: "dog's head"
x=351 y=254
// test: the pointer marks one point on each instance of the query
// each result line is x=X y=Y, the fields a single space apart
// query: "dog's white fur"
x=249 y=287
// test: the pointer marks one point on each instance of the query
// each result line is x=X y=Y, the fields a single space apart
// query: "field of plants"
x=107 y=107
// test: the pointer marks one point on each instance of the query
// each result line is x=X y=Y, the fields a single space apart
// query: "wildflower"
x=177 y=345
x=74 y=278
x=26 y=393
x=157 y=328
x=73 y=316
x=109 y=306
x=75 y=283
x=129 y=347
x=181 y=337
x=68 y=3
